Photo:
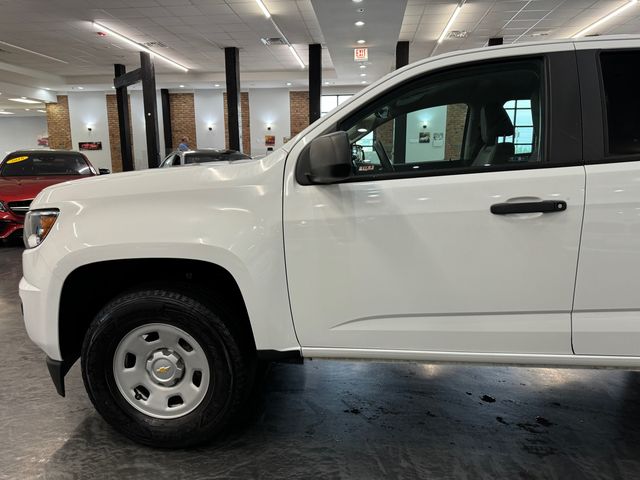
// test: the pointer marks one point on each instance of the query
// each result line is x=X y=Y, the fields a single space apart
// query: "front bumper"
x=43 y=331
x=10 y=224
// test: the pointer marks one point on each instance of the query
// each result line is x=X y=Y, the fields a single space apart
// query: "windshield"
x=28 y=164
x=202 y=157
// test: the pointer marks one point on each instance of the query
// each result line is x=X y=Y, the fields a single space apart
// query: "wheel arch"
x=89 y=287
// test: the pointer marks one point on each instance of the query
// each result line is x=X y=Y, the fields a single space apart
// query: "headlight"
x=37 y=225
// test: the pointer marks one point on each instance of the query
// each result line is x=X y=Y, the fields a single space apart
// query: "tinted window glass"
x=620 y=71
x=44 y=163
x=473 y=118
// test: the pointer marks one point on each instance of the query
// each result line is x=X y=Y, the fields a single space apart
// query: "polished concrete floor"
x=335 y=420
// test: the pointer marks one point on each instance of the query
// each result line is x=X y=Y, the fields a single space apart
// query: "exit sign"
x=360 y=54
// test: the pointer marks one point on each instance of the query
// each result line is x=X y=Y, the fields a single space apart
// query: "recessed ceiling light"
x=363 y=67
x=357 y=1
x=363 y=82
x=363 y=130
x=326 y=83
x=181 y=86
x=363 y=74
x=217 y=85
x=362 y=41
x=27 y=109
x=359 y=23
x=23 y=100
x=113 y=87
x=2 y=112
x=289 y=84
x=80 y=88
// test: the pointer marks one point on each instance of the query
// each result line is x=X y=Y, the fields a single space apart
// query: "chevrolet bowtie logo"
x=163 y=369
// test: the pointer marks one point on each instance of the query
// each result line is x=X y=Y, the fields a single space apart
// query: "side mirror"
x=329 y=158
x=104 y=171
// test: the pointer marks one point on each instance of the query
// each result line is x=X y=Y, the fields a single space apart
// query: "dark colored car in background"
x=25 y=173
x=177 y=158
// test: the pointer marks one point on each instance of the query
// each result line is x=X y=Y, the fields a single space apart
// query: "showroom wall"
x=425 y=134
x=209 y=112
x=21 y=132
x=138 y=129
x=88 y=111
x=286 y=112
x=269 y=108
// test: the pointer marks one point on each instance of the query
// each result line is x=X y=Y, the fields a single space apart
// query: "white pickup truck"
x=481 y=206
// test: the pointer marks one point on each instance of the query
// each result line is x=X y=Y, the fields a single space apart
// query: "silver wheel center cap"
x=165 y=367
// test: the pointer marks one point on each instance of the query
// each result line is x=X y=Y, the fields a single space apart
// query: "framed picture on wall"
x=90 y=145
x=438 y=139
x=269 y=140
x=424 y=137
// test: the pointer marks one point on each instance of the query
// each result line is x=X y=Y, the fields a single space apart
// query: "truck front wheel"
x=164 y=369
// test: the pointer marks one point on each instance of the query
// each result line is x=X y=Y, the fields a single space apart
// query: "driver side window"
x=467 y=120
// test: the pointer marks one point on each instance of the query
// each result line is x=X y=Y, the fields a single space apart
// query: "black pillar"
x=402 y=54
x=400 y=125
x=495 y=41
x=315 y=81
x=122 y=100
x=166 y=121
x=232 y=71
x=150 y=109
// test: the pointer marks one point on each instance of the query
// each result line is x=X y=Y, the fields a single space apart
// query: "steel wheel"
x=161 y=370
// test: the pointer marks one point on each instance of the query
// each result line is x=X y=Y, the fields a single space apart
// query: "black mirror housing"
x=329 y=159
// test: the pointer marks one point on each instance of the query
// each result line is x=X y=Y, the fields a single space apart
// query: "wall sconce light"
x=268 y=127
x=210 y=127
x=89 y=128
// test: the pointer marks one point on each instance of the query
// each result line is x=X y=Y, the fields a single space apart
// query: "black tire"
x=231 y=366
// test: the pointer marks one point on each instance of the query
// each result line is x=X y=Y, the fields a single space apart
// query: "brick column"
x=299 y=111
x=454 y=134
x=245 y=120
x=114 y=132
x=59 y=124
x=183 y=118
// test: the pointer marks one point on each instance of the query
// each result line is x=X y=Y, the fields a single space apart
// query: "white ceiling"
x=514 y=20
x=195 y=31
x=382 y=22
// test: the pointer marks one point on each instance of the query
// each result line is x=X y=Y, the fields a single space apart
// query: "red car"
x=25 y=173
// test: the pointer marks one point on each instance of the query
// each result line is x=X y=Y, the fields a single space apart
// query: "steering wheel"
x=382 y=155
